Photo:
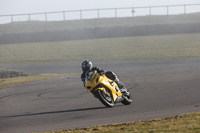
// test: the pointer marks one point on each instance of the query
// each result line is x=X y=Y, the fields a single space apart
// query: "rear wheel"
x=127 y=99
x=106 y=99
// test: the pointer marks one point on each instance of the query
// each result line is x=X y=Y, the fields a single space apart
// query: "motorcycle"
x=106 y=90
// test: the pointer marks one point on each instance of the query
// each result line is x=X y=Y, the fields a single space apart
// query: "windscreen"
x=89 y=76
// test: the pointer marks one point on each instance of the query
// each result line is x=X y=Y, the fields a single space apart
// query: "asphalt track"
x=160 y=88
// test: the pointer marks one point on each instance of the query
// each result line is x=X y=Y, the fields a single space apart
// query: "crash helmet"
x=86 y=65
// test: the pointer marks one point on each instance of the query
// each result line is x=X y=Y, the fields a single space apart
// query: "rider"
x=87 y=65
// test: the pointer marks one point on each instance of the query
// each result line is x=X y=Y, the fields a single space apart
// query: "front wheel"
x=106 y=99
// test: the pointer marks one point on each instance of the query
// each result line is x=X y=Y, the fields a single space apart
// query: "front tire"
x=105 y=99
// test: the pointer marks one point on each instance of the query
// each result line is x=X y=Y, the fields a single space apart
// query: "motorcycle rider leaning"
x=88 y=66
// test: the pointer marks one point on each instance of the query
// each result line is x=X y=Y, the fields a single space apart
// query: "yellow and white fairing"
x=94 y=81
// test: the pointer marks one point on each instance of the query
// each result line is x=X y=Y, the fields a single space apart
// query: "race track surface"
x=160 y=88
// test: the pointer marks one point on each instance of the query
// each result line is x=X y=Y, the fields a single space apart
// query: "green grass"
x=125 y=48
x=186 y=123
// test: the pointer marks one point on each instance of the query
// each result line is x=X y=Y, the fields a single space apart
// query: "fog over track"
x=100 y=32
x=160 y=88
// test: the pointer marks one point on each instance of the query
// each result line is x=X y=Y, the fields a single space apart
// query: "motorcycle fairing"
x=101 y=82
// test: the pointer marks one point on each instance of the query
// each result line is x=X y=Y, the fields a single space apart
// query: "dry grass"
x=9 y=82
x=126 y=48
x=186 y=123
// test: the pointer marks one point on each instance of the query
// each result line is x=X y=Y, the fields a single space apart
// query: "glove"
x=102 y=73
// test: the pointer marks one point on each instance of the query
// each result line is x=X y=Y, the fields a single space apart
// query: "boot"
x=120 y=85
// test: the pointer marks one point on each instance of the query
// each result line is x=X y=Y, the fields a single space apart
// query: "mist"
x=100 y=28
x=61 y=10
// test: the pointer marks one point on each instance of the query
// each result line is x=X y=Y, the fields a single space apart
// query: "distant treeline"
x=100 y=32
x=6 y=73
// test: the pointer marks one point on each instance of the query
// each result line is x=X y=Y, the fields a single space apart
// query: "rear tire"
x=105 y=99
x=127 y=99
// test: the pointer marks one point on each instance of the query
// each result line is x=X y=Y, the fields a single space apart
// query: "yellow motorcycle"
x=105 y=89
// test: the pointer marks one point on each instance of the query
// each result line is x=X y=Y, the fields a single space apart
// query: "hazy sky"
x=12 y=7
x=35 y=6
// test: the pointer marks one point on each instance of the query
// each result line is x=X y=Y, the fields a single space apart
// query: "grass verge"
x=185 y=123
x=10 y=82
x=124 y=48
